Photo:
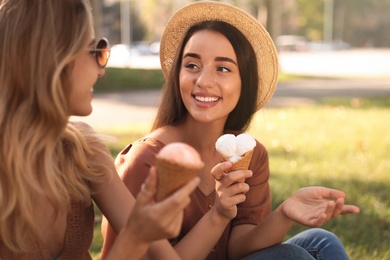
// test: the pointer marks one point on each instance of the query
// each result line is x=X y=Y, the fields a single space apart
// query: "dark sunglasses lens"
x=103 y=53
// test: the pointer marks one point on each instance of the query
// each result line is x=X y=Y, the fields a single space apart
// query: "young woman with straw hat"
x=221 y=67
x=51 y=169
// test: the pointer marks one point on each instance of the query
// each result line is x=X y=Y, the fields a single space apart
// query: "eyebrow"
x=226 y=59
x=197 y=56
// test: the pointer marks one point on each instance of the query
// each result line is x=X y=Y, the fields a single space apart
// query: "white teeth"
x=206 y=99
x=91 y=90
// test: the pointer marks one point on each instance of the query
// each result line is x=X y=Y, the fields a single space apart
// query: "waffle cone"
x=172 y=176
x=241 y=164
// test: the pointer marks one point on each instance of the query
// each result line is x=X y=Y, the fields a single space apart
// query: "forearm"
x=127 y=247
x=197 y=245
x=248 y=238
x=161 y=250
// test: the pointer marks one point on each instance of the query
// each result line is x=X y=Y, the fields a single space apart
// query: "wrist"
x=128 y=246
x=217 y=218
x=282 y=215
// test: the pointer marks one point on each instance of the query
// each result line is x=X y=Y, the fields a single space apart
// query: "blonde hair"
x=41 y=154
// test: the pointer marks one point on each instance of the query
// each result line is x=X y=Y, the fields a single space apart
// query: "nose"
x=205 y=79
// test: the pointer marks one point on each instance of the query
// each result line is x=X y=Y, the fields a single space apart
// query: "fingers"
x=236 y=176
x=350 y=209
x=331 y=193
x=229 y=178
x=220 y=170
x=339 y=197
x=330 y=209
x=338 y=208
x=148 y=188
x=324 y=215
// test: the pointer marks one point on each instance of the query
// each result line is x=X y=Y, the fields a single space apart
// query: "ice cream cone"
x=172 y=176
x=241 y=164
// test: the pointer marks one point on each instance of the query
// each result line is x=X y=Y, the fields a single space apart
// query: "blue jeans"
x=315 y=243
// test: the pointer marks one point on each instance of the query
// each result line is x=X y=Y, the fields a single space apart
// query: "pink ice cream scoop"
x=177 y=163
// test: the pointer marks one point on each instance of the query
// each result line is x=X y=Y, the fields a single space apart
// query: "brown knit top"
x=78 y=238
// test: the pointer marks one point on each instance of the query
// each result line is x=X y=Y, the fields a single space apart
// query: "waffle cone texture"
x=242 y=164
x=172 y=176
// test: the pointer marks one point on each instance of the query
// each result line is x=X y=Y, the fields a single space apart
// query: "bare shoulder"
x=166 y=135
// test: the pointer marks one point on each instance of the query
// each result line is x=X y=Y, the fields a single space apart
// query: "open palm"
x=313 y=206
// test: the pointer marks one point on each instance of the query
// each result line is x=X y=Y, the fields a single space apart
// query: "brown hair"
x=172 y=110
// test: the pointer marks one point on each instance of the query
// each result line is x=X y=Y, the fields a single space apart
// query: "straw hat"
x=264 y=48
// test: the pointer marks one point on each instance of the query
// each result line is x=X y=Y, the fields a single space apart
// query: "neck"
x=202 y=136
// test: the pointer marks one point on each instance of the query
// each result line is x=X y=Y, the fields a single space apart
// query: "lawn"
x=340 y=143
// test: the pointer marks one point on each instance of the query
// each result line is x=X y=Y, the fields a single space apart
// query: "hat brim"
x=257 y=35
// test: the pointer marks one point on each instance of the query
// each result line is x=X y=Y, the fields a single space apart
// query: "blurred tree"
x=155 y=14
x=273 y=17
x=97 y=11
x=310 y=19
x=365 y=23
x=111 y=22
x=359 y=23
x=267 y=12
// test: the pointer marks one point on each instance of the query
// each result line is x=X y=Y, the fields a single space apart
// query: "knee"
x=281 y=251
x=322 y=234
x=321 y=238
x=291 y=250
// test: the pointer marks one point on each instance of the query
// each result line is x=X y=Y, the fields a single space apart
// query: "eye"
x=223 y=69
x=191 y=66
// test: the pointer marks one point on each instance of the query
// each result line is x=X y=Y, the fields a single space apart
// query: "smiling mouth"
x=206 y=99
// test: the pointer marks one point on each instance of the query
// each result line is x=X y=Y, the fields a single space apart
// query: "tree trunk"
x=273 y=18
x=97 y=7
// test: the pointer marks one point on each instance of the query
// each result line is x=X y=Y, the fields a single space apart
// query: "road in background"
x=362 y=63
x=370 y=70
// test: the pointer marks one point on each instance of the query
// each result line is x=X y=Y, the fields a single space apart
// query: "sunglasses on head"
x=101 y=52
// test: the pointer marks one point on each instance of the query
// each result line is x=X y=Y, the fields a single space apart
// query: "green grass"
x=125 y=79
x=339 y=143
x=120 y=79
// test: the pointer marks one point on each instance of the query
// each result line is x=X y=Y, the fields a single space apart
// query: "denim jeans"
x=315 y=243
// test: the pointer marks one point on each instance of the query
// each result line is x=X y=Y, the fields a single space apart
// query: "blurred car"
x=291 y=43
x=146 y=48
x=139 y=55
x=327 y=46
x=141 y=48
x=155 y=48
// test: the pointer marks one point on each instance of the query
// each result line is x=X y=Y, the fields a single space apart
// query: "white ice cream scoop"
x=236 y=149
x=231 y=146
x=244 y=143
x=226 y=145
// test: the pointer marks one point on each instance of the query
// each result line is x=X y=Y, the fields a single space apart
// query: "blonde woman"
x=52 y=169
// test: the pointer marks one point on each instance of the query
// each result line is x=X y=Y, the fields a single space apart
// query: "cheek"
x=185 y=85
x=76 y=82
x=235 y=91
x=184 y=80
x=73 y=100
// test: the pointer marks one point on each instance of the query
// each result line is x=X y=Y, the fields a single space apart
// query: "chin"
x=85 y=112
